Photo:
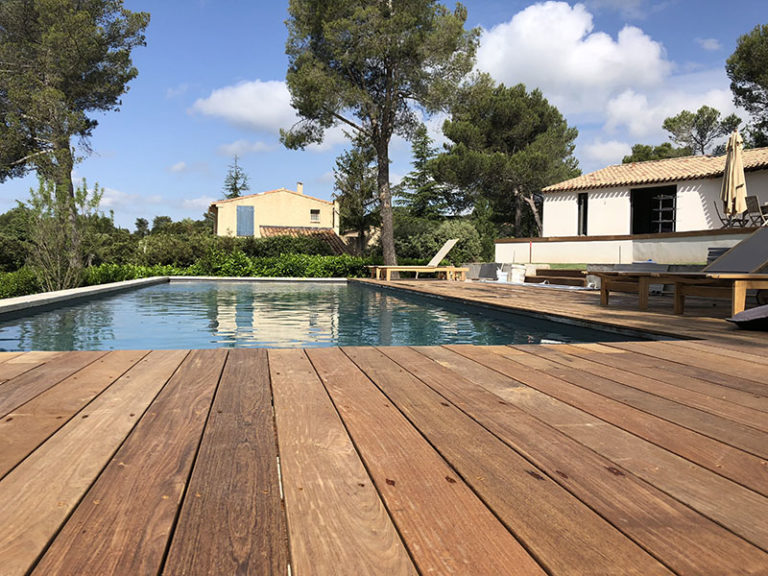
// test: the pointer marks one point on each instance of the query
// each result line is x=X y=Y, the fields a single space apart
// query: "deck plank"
x=742 y=376
x=24 y=429
x=742 y=511
x=719 y=350
x=26 y=386
x=743 y=468
x=5 y=356
x=38 y=495
x=707 y=363
x=618 y=385
x=17 y=366
x=562 y=533
x=682 y=539
x=644 y=373
x=232 y=519
x=446 y=528
x=123 y=523
x=338 y=522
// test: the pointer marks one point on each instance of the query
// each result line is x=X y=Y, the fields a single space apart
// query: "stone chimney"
x=300 y=187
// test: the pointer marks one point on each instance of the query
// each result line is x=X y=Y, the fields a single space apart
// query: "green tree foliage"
x=236 y=181
x=420 y=193
x=142 y=227
x=506 y=145
x=57 y=259
x=748 y=73
x=62 y=60
x=365 y=64
x=161 y=224
x=355 y=185
x=643 y=152
x=419 y=239
x=699 y=130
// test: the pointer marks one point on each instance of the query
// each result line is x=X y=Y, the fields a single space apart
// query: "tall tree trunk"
x=385 y=196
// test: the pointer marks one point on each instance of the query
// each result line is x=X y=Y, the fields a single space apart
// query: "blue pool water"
x=274 y=315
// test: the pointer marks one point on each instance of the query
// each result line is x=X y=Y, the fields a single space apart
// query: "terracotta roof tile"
x=659 y=171
x=328 y=235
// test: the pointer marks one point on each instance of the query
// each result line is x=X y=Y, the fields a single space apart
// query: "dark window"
x=314 y=215
x=653 y=209
x=582 y=201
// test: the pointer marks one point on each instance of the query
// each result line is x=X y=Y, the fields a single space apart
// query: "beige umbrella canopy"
x=734 y=190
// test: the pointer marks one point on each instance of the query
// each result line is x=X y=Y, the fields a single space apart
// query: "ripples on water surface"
x=274 y=315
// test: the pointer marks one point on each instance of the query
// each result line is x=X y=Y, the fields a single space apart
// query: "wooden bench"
x=447 y=272
x=707 y=285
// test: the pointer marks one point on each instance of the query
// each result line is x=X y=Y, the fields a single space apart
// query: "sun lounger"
x=752 y=319
x=729 y=276
x=450 y=272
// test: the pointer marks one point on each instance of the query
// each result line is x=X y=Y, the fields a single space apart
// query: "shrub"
x=278 y=245
x=420 y=239
x=13 y=253
x=19 y=283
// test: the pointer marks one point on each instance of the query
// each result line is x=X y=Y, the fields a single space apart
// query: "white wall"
x=609 y=210
x=666 y=250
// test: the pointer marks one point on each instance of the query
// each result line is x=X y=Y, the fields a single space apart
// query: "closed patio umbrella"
x=734 y=190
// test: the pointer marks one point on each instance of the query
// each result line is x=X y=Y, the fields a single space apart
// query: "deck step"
x=559 y=277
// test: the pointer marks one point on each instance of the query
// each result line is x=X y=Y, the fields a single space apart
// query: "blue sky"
x=211 y=84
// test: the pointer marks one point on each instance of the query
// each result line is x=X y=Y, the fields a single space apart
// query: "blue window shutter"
x=245 y=220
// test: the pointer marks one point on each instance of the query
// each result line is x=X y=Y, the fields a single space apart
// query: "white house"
x=663 y=210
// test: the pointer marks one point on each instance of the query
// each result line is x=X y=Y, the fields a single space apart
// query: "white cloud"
x=179 y=167
x=553 y=46
x=176 y=91
x=255 y=105
x=605 y=153
x=244 y=147
x=709 y=44
x=201 y=203
x=113 y=199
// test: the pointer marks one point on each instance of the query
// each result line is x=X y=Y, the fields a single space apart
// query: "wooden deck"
x=594 y=459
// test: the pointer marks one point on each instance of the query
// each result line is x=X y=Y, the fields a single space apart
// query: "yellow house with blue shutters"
x=267 y=213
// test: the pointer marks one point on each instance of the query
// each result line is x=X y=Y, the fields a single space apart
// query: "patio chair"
x=450 y=272
x=731 y=220
x=755 y=212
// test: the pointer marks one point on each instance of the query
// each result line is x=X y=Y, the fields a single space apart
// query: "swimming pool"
x=222 y=314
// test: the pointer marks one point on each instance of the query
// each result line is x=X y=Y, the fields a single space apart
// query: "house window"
x=582 y=202
x=314 y=216
x=245 y=220
x=654 y=210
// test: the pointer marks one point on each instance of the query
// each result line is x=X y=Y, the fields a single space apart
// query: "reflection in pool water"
x=275 y=315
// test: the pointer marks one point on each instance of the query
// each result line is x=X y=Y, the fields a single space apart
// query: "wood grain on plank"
x=232 y=520
x=563 y=534
x=123 y=524
x=682 y=539
x=742 y=511
x=22 y=388
x=5 y=356
x=337 y=521
x=714 y=363
x=739 y=466
x=39 y=494
x=446 y=527
x=753 y=355
x=661 y=378
x=607 y=382
x=687 y=363
x=23 y=363
x=30 y=424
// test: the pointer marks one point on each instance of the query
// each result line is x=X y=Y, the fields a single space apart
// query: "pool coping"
x=31 y=301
